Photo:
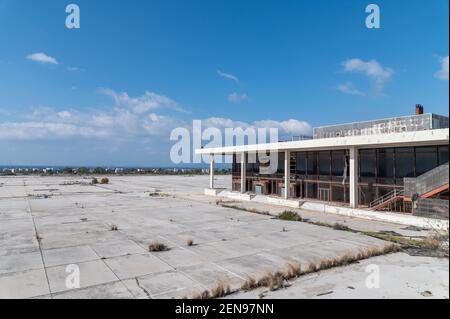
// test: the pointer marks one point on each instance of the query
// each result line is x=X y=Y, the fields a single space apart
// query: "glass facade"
x=323 y=175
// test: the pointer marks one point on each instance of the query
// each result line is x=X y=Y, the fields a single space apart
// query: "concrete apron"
x=391 y=217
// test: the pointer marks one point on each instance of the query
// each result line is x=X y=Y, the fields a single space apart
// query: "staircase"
x=387 y=199
x=429 y=184
x=424 y=186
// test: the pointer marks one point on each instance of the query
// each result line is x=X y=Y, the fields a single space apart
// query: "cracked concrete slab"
x=73 y=225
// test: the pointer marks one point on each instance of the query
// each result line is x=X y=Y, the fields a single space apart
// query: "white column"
x=243 y=173
x=287 y=173
x=354 y=172
x=211 y=171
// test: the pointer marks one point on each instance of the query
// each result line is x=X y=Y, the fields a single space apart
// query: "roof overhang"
x=405 y=139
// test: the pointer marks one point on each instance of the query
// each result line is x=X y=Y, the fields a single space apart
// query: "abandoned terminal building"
x=396 y=164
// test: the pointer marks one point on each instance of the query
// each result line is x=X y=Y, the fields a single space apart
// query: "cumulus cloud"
x=289 y=127
x=46 y=130
x=442 y=74
x=237 y=98
x=228 y=76
x=142 y=104
x=349 y=88
x=42 y=58
x=379 y=74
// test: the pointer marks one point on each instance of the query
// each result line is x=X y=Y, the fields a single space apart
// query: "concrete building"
x=377 y=164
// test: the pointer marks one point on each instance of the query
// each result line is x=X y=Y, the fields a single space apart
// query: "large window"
x=426 y=159
x=443 y=154
x=312 y=163
x=386 y=163
x=404 y=162
x=324 y=163
x=368 y=163
x=301 y=163
x=338 y=163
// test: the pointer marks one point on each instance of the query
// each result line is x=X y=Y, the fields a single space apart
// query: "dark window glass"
x=312 y=163
x=301 y=163
x=386 y=163
x=443 y=154
x=367 y=163
x=324 y=163
x=426 y=159
x=337 y=163
x=280 y=169
x=311 y=190
x=337 y=194
x=404 y=162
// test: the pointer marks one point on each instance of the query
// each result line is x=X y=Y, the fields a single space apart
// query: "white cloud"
x=442 y=74
x=372 y=69
x=228 y=76
x=42 y=58
x=349 y=88
x=285 y=128
x=142 y=104
x=46 y=130
x=238 y=98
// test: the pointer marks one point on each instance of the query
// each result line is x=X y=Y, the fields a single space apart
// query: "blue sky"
x=110 y=92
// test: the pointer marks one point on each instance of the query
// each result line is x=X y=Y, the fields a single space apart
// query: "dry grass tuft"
x=157 y=246
x=312 y=267
x=190 y=242
x=104 y=180
x=203 y=295
x=249 y=284
x=114 y=227
x=326 y=263
x=293 y=270
x=220 y=290
x=431 y=243
x=272 y=280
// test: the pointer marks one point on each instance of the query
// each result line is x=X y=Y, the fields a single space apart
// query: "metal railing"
x=387 y=197
x=427 y=182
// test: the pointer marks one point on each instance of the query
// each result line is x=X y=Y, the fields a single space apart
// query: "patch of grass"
x=272 y=280
x=94 y=181
x=220 y=290
x=249 y=284
x=203 y=295
x=338 y=226
x=395 y=239
x=290 y=216
x=244 y=209
x=293 y=270
x=190 y=242
x=157 y=246
x=114 y=227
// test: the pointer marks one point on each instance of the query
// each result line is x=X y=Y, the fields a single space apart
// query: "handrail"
x=386 y=197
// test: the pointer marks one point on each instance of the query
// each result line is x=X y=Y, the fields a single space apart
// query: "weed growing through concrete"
x=249 y=284
x=279 y=279
x=291 y=216
x=157 y=246
x=221 y=289
x=338 y=226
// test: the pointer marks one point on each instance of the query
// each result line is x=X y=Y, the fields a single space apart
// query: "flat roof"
x=403 y=139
